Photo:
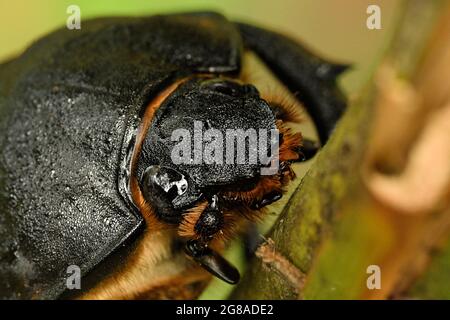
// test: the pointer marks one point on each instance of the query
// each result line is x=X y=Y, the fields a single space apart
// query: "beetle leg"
x=267 y=199
x=308 y=150
x=211 y=261
x=252 y=239
x=210 y=221
x=310 y=78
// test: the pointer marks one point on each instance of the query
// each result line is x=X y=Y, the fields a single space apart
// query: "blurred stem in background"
x=339 y=224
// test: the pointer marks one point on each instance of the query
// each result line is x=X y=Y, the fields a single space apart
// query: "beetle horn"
x=212 y=261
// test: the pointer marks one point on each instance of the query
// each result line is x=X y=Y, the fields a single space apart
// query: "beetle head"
x=200 y=166
x=201 y=135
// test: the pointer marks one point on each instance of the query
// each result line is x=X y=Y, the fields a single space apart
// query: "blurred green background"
x=334 y=28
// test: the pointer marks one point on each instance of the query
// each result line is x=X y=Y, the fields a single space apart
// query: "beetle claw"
x=269 y=198
x=308 y=150
x=212 y=261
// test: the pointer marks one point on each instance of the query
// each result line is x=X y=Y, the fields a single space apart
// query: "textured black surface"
x=199 y=101
x=66 y=107
x=69 y=109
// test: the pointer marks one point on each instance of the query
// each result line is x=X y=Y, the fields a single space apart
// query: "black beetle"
x=85 y=118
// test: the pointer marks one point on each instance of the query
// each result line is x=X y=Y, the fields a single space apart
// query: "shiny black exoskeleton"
x=69 y=109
